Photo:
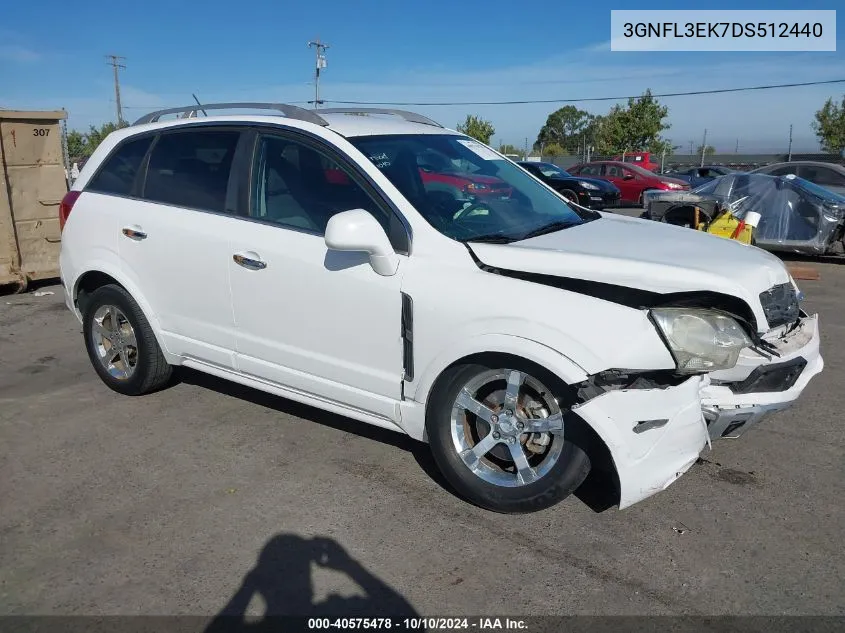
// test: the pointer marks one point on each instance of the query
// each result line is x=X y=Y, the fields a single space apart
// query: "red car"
x=631 y=180
x=445 y=176
x=438 y=172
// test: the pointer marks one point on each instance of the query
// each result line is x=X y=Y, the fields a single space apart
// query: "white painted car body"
x=322 y=326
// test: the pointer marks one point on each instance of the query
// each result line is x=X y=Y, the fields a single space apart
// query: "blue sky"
x=52 y=55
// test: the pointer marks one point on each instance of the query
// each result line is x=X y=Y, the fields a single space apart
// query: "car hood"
x=645 y=255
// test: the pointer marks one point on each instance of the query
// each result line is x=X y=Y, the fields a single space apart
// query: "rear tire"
x=121 y=344
x=490 y=456
x=570 y=195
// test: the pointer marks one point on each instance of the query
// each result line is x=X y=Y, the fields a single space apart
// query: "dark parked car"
x=592 y=193
x=631 y=180
x=793 y=215
x=828 y=175
x=697 y=176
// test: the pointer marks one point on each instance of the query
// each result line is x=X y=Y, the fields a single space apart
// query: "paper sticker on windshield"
x=479 y=150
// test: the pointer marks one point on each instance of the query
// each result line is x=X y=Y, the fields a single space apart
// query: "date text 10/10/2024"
x=417 y=624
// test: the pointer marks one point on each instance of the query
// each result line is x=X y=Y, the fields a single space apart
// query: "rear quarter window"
x=117 y=174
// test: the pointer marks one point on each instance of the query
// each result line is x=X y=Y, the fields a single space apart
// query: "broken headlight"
x=701 y=340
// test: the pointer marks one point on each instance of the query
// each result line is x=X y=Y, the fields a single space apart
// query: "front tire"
x=121 y=344
x=498 y=436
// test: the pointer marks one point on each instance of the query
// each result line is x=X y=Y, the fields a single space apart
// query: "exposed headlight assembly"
x=701 y=340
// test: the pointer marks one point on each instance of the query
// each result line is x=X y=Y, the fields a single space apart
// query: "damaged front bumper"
x=737 y=399
x=655 y=432
x=654 y=435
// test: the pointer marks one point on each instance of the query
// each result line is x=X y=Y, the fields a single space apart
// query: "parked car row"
x=593 y=193
x=631 y=180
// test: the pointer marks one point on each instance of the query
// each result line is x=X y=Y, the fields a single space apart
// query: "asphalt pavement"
x=209 y=497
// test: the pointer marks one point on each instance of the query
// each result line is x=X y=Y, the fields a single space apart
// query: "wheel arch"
x=101 y=274
x=601 y=489
x=505 y=345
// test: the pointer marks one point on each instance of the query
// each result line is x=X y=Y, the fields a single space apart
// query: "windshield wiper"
x=550 y=228
x=493 y=238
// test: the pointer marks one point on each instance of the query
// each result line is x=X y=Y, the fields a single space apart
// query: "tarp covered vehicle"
x=790 y=214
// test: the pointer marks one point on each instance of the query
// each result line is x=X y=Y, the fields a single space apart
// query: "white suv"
x=319 y=256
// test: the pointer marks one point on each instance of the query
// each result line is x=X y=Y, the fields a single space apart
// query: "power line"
x=114 y=61
x=531 y=101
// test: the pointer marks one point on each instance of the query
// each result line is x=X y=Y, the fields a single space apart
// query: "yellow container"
x=726 y=225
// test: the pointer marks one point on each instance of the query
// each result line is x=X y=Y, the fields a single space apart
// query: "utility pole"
x=736 y=149
x=320 y=51
x=789 y=159
x=691 y=143
x=526 y=148
x=703 y=148
x=115 y=62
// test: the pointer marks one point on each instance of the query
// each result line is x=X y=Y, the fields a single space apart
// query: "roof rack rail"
x=291 y=111
x=412 y=117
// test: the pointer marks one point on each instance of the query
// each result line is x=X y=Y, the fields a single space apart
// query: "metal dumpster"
x=33 y=181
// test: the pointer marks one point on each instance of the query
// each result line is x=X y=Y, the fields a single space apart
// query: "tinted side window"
x=117 y=175
x=297 y=186
x=191 y=169
x=823 y=176
x=783 y=171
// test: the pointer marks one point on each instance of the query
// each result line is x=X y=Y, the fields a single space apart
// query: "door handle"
x=134 y=233
x=249 y=260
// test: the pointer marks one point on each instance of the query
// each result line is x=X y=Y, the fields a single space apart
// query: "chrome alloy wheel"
x=114 y=341
x=507 y=427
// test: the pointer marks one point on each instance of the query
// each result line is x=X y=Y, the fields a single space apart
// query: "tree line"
x=637 y=126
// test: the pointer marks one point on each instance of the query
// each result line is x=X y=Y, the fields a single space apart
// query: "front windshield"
x=642 y=171
x=553 y=171
x=467 y=191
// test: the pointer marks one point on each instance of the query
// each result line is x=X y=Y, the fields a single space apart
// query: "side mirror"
x=358 y=230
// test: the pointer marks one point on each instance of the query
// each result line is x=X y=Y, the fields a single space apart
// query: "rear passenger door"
x=174 y=240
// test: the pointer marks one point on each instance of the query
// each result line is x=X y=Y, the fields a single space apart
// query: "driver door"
x=310 y=319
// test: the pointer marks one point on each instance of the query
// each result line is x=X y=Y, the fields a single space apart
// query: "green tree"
x=567 y=128
x=554 y=149
x=82 y=145
x=75 y=144
x=708 y=151
x=830 y=126
x=477 y=128
x=633 y=128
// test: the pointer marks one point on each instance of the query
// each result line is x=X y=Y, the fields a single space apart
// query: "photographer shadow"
x=282 y=579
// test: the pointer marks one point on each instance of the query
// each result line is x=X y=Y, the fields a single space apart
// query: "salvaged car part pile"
x=782 y=214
